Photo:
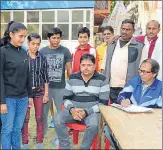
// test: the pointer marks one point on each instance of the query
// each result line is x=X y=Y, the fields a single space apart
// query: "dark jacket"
x=15 y=76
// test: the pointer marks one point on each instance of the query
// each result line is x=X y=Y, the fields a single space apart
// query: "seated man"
x=145 y=89
x=84 y=92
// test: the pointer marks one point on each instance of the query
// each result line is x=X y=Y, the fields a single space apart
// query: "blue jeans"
x=12 y=122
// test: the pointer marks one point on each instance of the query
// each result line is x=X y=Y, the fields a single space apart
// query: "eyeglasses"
x=143 y=71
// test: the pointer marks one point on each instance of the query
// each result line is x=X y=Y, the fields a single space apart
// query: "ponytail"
x=6 y=38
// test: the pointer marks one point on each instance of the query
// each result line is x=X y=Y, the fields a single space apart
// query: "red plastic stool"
x=77 y=127
x=107 y=144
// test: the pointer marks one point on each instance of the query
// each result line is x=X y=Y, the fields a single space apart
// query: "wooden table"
x=133 y=130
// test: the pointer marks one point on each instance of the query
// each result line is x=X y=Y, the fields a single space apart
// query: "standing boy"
x=58 y=59
x=83 y=48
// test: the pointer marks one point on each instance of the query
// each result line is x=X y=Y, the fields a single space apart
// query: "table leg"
x=100 y=130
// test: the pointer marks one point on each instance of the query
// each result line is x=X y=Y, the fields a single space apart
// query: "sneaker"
x=55 y=143
x=51 y=123
x=25 y=146
x=39 y=146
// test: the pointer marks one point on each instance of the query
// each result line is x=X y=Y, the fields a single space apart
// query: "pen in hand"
x=125 y=103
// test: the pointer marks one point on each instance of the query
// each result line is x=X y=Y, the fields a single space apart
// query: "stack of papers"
x=132 y=108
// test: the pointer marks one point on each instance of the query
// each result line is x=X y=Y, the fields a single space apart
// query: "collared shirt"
x=119 y=65
x=144 y=88
x=38 y=70
x=146 y=47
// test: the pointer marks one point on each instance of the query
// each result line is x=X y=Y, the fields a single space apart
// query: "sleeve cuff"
x=119 y=100
x=89 y=111
x=69 y=107
x=86 y=114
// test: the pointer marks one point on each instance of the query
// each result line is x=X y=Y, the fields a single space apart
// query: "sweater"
x=87 y=96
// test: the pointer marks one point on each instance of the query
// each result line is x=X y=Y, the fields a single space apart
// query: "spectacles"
x=143 y=71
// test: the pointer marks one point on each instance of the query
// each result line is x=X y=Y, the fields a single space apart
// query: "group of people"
x=123 y=70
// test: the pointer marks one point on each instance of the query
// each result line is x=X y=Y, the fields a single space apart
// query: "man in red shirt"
x=83 y=48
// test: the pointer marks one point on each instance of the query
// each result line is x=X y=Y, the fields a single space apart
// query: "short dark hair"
x=129 y=21
x=84 y=30
x=88 y=56
x=110 y=28
x=33 y=36
x=155 y=67
x=54 y=31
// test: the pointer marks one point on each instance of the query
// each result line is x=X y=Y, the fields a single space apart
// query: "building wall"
x=52 y=4
x=70 y=20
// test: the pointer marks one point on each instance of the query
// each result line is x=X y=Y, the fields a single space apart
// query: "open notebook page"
x=132 y=108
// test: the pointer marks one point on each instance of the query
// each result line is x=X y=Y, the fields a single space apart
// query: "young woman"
x=16 y=86
x=39 y=75
x=3 y=42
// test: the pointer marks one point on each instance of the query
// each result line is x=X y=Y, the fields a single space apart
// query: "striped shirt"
x=87 y=96
x=38 y=70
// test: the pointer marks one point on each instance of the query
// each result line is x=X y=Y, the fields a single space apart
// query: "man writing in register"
x=143 y=90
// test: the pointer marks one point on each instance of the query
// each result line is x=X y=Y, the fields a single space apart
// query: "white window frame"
x=91 y=22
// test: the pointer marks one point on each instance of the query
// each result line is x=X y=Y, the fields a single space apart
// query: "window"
x=88 y=16
x=63 y=16
x=48 y=16
x=65 y=31
x=41 y=21
x=33 y=16
x=5 y=17
x=45 y=29
x=18 y=16
x=88 y=26
x=33 y=28
x=77 y=16
x=3 y=28
x=75 y=29
x=63 y=23
x=33 y=21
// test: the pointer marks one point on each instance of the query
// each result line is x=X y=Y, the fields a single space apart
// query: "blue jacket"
x=133 y=90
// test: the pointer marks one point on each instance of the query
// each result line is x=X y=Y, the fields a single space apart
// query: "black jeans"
x=114 y=92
